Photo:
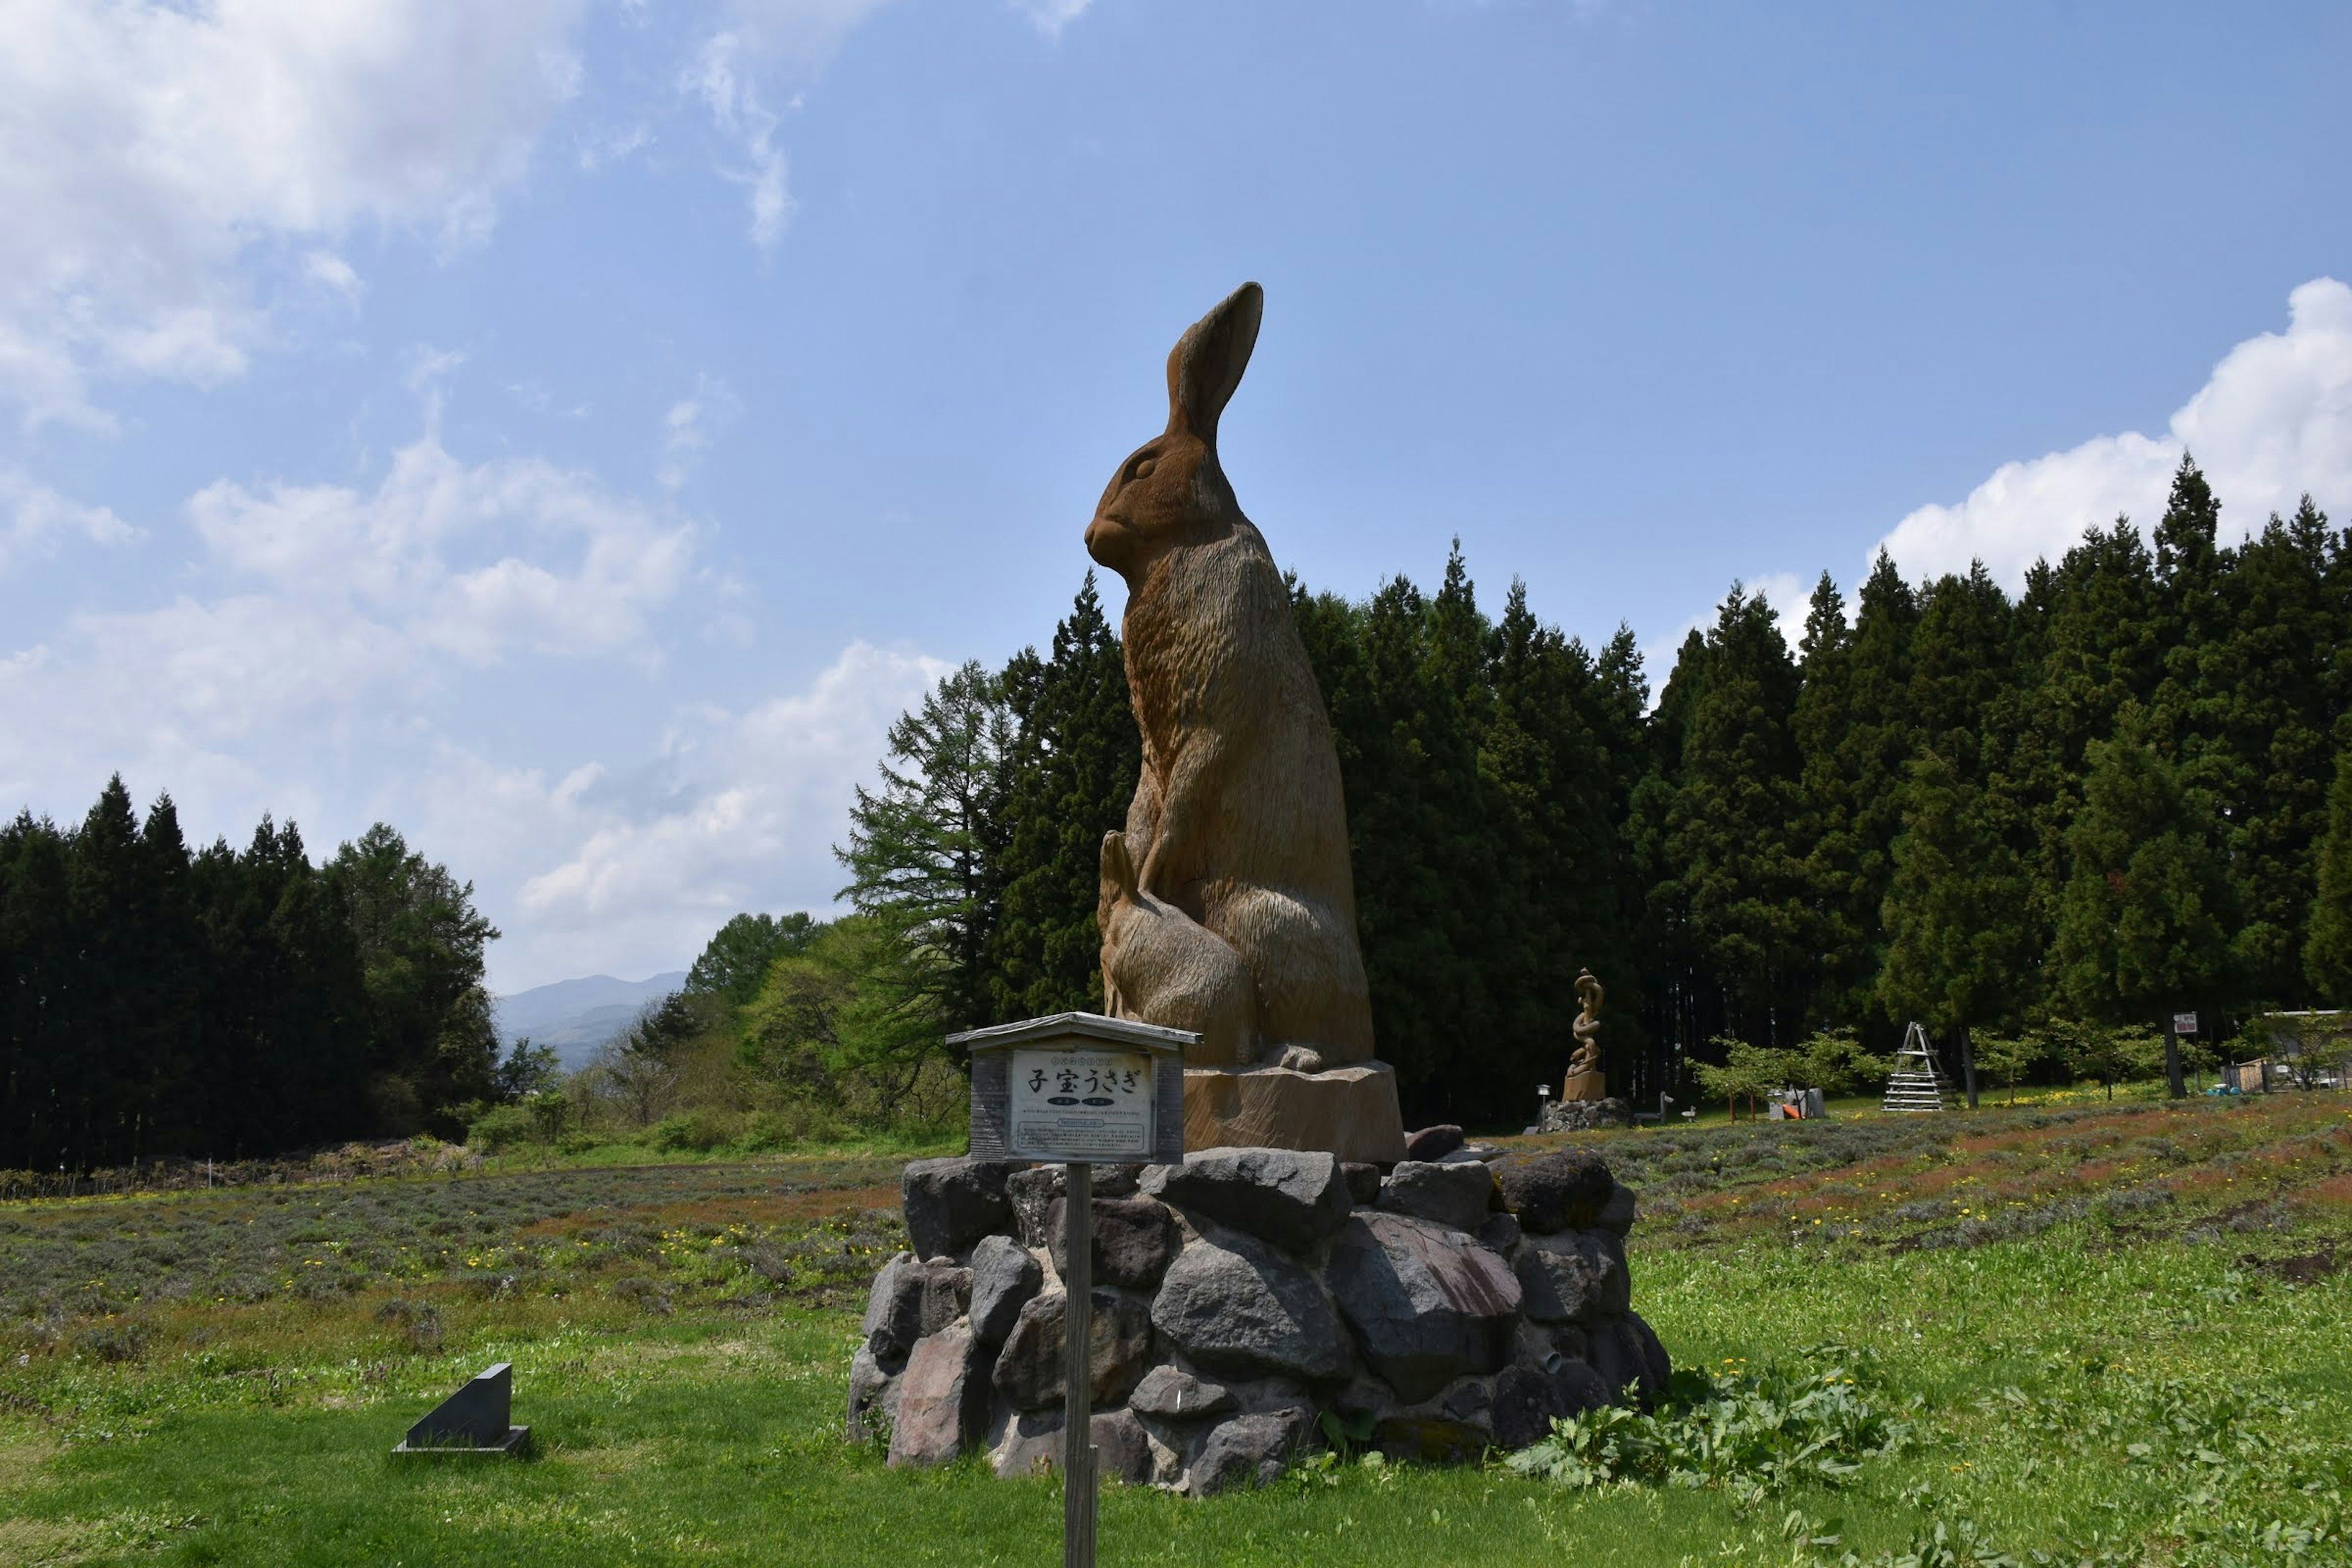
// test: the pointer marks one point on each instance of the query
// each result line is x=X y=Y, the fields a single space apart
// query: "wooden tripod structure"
x=1916 y=1084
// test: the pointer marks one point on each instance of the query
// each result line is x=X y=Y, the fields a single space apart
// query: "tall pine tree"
x=1068 y=773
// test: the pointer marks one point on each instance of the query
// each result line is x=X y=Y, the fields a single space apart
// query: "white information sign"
x=2184 y=1024
x=1083 y=1104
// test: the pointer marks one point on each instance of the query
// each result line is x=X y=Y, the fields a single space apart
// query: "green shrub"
x=124 y=1340
x=701 y=1129
x=1750 y=1433
x=790 y=1126
x=500 y=1128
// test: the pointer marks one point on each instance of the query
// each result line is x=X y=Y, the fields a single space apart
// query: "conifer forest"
x=2111 y=797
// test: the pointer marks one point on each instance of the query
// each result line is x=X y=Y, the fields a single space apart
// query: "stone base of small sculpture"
x=1587 y=1084
x=1585 y=1115
x=1351 y=1111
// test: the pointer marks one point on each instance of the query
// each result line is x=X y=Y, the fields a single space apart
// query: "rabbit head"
x=1170 y=490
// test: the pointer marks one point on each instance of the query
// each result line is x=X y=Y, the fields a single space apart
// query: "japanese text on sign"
x=1080 y=1104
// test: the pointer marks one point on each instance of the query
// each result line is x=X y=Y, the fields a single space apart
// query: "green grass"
x=2119 y=1376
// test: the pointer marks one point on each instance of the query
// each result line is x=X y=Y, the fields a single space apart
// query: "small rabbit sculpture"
x=1228 y=906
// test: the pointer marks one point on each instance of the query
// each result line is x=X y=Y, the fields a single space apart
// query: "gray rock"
x=1122 y=1448
x=1025 y=1442
x=1029 y=1443
x=1500 y=1233
x=873 y=1398
x=1029 y=1369
x=1625 y=1350
x=1528 y=1400
x=1364 y=1395
x=1033 y=1192
x=1248 y=1450
x=1172 y=1394
x=1363 y=1182
x=1576 y=1276
x=1428 y=1304
x=1432 y=1143
x=1004 y=1277
x=910 y=1299
x=1134 y=1240
x=942 y=1399
x=950 y=1204
x=1455 y=1196
x=1290 y=1197
x=1616 y=1215
x=1565 y=1190
x=894 y=1309
x=1456 y=1425
x=1233 y=1304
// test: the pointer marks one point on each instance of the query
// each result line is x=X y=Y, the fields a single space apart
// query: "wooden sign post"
x=1080 y=1089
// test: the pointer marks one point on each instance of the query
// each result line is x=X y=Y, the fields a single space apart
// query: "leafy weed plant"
x=1752 y=1432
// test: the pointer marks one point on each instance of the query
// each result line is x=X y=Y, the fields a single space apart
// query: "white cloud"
x=2273 y=422
x=601 y=150
x=691 y=424
x=145 y=146
x=783 y=43
x=743 y=816
x=331 y=272
x=475 y=562
x=33 y=518
x=332 y=642
x=1051 y=16
x=735 y=106
x=336 y=612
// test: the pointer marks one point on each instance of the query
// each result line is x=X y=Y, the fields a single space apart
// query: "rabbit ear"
x=1207 y=363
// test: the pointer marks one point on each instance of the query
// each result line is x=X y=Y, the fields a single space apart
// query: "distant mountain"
x=575 y=1016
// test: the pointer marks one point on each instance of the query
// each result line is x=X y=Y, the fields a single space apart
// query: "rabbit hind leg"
x=1312 y=1007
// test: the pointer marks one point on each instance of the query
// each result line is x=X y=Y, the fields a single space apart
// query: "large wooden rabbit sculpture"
x=1228 y=906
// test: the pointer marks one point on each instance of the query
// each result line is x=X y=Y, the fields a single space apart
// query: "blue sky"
x=571 y=429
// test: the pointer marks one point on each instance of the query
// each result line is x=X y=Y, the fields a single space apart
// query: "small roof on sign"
x=1084 y=1026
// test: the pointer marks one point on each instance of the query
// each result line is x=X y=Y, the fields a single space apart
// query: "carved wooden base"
x=1589 y=1085
x=1351 y=1111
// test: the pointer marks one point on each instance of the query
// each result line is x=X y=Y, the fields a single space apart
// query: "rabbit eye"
x=1141 y=466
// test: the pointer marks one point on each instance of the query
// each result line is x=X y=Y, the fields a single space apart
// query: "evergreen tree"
x=1424 y=852
x=2188 y=711
x=917 y=850
x=2328 y=951
x=1069 y=774
x=2100 y=637
x=1958 y=949
x=433 y=1044
x=1735 y=829
x=2273 y=665
x=1680 y=1006
x=2143 y=921
x=1555 y=786
x=1854 y=733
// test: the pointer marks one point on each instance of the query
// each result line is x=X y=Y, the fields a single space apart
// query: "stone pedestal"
x=1587 y=1084
x=1349 y=1111
x=1585 y=1115
x=1240 y=1295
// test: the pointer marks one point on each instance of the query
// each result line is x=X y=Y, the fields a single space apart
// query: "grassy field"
x=2097 y=1334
